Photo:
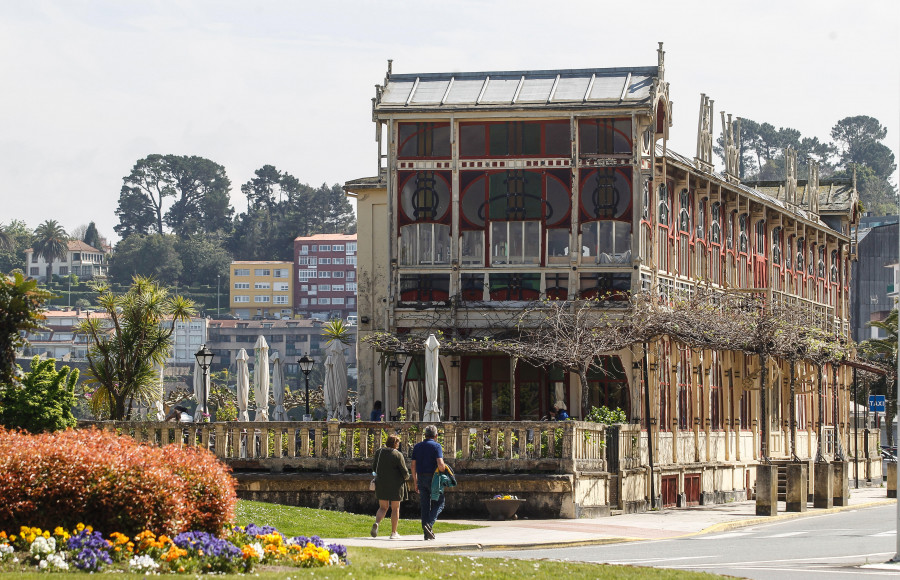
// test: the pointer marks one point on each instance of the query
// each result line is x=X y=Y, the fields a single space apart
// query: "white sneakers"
x=395 y=536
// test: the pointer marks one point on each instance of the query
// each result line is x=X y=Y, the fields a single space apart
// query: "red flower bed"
x=110 y=482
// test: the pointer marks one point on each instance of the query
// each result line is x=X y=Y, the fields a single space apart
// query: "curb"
x=720 y=527
x=737 y=524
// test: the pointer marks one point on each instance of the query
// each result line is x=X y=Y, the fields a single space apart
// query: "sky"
x=90 y=87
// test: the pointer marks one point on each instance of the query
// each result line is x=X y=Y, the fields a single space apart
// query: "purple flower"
x=253 y=530
x=339 y=549
x=210 y=545
x=303 y=540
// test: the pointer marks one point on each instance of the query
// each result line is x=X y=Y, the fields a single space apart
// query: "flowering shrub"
x=507 y=496
x=189 y=552
x=207 y=486
x=112 y=482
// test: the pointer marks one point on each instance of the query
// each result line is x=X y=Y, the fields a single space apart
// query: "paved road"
x=826 y=546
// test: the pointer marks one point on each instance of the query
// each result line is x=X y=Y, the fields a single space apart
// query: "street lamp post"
x=218 y=285
x=204 y=358
x=306 y=365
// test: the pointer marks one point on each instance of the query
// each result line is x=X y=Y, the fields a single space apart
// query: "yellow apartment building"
x=261 y=289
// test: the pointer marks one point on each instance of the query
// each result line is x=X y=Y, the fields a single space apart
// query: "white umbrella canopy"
x=201 y=392
x=432 y=410
x=158 y=406
x=336 y=382
x=243 y=385
x=279 y=414
x=261 y=379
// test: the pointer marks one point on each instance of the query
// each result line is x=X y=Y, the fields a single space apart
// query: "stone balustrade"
x=520 y=446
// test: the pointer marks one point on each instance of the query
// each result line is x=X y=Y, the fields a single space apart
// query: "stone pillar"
x=841 y=482
x=824 y=486
x=891 y=478
x=797 y=484
x=766 y=490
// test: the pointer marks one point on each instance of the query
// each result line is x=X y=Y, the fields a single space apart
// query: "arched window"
x=776 y=246
x=834 y=268
x=761 y=237
x=715 y=230
x=701 y=220
x=684 y=212
x=663 y=205
x=821 y=262
x=729 y=232
x=743 y=241
x=645 y=201
x=801 y=250
x=787 y=255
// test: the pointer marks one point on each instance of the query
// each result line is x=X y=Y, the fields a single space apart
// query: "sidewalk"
x=665 y=524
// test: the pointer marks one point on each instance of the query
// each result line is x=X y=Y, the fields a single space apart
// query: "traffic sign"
x=876 y=403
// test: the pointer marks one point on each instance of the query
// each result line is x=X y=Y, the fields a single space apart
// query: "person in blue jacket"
x=559 y=411
x=427 y=461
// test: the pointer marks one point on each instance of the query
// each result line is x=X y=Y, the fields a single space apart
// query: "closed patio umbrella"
x=261 y=379
x=201 y=392
x=336 y=382
x=243 y=385
x=432 y=409
x=279 y=414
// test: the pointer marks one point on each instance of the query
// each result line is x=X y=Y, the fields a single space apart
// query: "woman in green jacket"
x=390 y=483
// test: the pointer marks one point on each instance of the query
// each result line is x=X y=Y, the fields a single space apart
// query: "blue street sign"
x=876 y=403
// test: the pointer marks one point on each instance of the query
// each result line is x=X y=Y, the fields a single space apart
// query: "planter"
x=502 y=509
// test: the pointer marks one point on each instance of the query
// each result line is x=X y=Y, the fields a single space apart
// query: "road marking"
x=726 y=536
x=649 y=560
x=809 y=560
x=785 y=535
x=883 y=534
x=817 y=570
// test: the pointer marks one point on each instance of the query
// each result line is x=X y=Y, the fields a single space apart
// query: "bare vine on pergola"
x=573 y=334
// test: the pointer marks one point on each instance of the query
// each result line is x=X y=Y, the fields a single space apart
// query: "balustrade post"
x=479 y=443
x=292 y=441
x=220 y=440
x=507 y=443
x=334 y=439
x=465 y=443
x=495 y=442
x=523 y=443
x=304 y=441
x=450 y=440
x=317 y=443
x=551 y=441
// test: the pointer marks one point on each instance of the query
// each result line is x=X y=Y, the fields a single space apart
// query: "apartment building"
x=261 y=289
x=326 y=275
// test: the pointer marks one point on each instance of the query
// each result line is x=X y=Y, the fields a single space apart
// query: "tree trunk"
x=585 y=404
x=820 y=453
x=763 y=410
x=793 y=410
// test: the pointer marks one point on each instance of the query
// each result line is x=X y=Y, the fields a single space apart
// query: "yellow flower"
x=79 y=527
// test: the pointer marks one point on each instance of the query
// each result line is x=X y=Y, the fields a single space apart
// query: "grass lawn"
x=379 y=563
x=299 y=521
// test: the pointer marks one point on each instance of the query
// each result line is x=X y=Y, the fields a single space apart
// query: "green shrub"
x=110 y=482
x=606 y=416
x=43 y=401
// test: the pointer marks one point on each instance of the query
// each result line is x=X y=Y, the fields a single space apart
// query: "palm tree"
x=51 y=243
x=6 y=241
x=127 y=342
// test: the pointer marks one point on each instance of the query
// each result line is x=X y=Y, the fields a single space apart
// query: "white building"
x=83 y=260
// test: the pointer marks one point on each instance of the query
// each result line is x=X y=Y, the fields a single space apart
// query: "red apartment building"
x=326 y=275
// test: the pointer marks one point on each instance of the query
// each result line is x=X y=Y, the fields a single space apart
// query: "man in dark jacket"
x=427 y=459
